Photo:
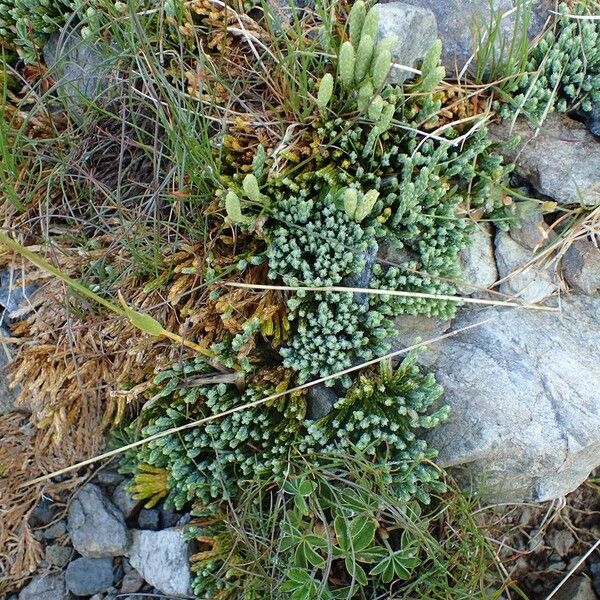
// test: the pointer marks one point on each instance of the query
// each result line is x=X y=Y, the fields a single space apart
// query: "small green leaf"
x=362 y=532
x=143 y=322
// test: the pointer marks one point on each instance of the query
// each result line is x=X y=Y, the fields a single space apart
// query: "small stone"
x=593 y=120
x=319 y=401
x=561 y=540
x=55 y=531
x=581 y=266
x=98 y=597
x=132 y=582
x=45 y=510
x=108 y=477
x=122 y=498
x=13 y=295
x=595 y=573
x=477 y=262
x=532 y=283
x=415 y=30
x=168 y=517
x=87 y=576
x=96 y=526
x=579 y=588
x=161 y=557
x=148 y=519
x=363 y=279
x=531 y=232
x=562 y=161
x=58 y=556
x=46 y=587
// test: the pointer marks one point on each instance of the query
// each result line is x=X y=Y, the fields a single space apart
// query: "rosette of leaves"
x=383 y=416
x=332 y=331
x=563 y=70
x=210 y=462
x=338 y=542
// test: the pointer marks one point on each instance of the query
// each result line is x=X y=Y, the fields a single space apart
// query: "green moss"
x=563 y=70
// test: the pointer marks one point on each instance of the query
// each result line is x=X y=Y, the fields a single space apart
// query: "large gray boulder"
x=524 y=389
x=415 y=30
x=458 y=23
x=561 y=161
x=162 y=558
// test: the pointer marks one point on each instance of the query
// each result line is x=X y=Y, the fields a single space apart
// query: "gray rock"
x=96 y=526
x=523 y=388
x=593 y=120
x=531 y=284
x=55 y=531
x=108 y=477
x=562 y=161
x=477 y=261
x=561 y=540
x=364 y=277
x=459 y=20
x=410 y=327
x=578 y=588
x=132 y=582
x=82 y=69
x=161 y=557
x=415 y=29
x=168 y=517
x=581 y=266
x=58 y=556
x=45 y=510
x=319 y=401
x=149 y=518
x=46 y=587
x=595 y=573
x=87 y=576
x=532 y=232
x=8 y=396
x=122 y=498
x=13 y=294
